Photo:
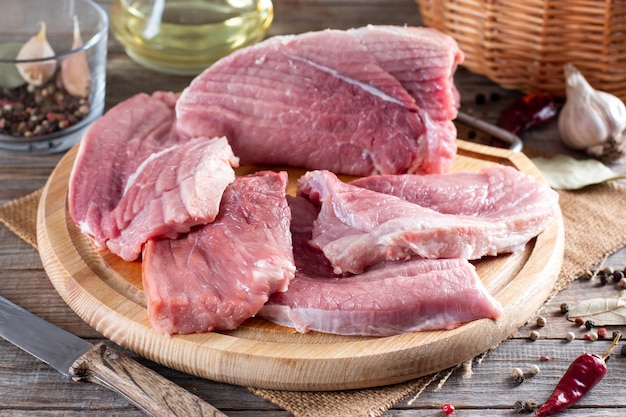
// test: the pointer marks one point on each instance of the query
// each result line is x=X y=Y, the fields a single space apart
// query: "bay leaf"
x=603 y=311
x=563 y=172
x=9 y=75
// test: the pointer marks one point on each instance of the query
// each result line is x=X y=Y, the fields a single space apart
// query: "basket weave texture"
x=523 y=44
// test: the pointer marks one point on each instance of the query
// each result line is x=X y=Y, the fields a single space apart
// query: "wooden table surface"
x=31 y=388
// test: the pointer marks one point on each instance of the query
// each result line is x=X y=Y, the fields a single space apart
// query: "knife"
x=100 y=364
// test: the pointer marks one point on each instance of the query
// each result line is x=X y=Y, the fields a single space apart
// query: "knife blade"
x=100 y=364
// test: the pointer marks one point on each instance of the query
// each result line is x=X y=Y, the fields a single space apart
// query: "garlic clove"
x=38 y=72
x=75 y=74
x=591 y=120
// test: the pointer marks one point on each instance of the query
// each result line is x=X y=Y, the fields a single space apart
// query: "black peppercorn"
x=589 y=324
x=29 y=111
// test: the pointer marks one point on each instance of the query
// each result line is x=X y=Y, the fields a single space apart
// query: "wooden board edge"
x=329 y=356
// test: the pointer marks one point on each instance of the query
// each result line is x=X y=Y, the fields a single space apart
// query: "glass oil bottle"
x=186 y=36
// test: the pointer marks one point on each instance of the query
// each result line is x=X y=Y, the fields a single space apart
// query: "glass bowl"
x=52 y=73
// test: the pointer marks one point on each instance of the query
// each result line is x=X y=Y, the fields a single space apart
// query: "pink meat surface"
x=174 y=190
x=388 y=299
x=335 y=100
x=220 y=274
x=357 y=227
x=135 y=178
x=487 y=193
x=111 y=150
x=399 y=297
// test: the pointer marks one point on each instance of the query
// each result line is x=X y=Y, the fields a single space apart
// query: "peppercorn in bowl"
x=52 y=73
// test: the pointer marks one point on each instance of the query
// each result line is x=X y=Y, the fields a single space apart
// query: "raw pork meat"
x=391 y=298
x=172 y=190
x=377 y=99
x=222 y=273
x=487 y=193
x=399 y=297
x=113 y=148
x=135 y=178
x=357 y=227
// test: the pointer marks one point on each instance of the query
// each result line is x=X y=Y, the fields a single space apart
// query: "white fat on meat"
x=357 y=227
x=220 y=274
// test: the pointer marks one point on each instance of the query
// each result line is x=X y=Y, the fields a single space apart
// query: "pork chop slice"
x=220 y=274
x=136 y=178
x=395 y=298
x=322 y=100
x=111 y=150
x=173 y=190
x=388 y=299
x=357 y=227
x=492 y=192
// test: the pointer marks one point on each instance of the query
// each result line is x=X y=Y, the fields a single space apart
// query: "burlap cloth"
x=594 y=228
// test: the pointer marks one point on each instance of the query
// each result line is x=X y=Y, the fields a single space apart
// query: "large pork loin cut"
x=388 y=299
x=358 y=227
x=377 y=99
x=135 y=178
x=221 y=274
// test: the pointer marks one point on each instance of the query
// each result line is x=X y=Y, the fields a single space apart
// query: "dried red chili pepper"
x=532 y=109
x=582 y=375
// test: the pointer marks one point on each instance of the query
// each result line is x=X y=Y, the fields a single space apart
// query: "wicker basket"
x=523 y=44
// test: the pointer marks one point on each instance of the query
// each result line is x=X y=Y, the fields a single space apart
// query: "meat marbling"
x=357 y=227
x=220 y=274
x=352 y=102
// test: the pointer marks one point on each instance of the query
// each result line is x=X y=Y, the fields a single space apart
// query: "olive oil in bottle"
x=186 y=36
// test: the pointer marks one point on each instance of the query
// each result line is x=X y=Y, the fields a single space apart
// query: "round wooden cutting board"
x=106 y=292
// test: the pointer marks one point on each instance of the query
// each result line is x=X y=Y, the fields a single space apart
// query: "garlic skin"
x=40 y=72
x=591 y=120
x=75 y=74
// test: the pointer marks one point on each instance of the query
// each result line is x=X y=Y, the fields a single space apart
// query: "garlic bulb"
x=38 y=72
x=591 y=120
x=75 y=74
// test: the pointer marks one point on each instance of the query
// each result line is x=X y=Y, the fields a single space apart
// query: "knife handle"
x=148 y=390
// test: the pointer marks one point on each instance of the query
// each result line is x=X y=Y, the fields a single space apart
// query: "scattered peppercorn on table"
x=514 y=377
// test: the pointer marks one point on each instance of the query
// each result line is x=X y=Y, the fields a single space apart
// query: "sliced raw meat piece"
x=111 y=194
x=391 y=298
x=222 y=273
x=399 y=297
x=113 y=148
x=357 y=227
x=325 y=100
x=494 y=191
x=173 y=190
